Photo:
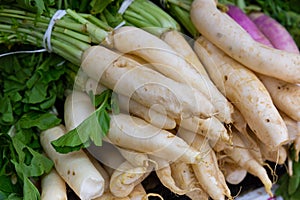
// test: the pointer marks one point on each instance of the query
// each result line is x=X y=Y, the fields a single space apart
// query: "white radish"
x=154 y=115
x=245 y=91
x=75 y=167
x=179 y=43
x=211 y=128
x=125 y=178
x=225 y=33
x=164 y=174
x=207 y=171
x=148 y=87
x=244 y=158
x=185 y=178
x=126 y=130
x=53 y=186
x=234 y=174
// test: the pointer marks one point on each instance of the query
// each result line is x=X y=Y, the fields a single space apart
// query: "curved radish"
x=246 y=92
x=225 y=33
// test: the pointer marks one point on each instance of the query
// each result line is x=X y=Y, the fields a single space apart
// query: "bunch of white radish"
x=199 y=116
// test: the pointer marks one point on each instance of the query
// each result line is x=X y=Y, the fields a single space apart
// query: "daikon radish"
x=168 y=62
x=125 y=178
x=178 y=42
x=138 y=193
x=135 y=158
x=75 y=168
x=246 y=92
x=225 y=33
x=53 y=186
x=148 y=87
x=185 y=178
x=154 y=115
x=126 y=130
x=101 y=170
x=105 y=153
x=207 y=171
x=244 y=158
x=211 y=128
x=151 y=115
x=234 y=174
x=164 y=174
x=286 y=96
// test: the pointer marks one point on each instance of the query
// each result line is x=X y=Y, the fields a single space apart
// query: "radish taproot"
x=263 y=29
x=75 y=167
x=148 y=87
x=53 y=186
x=225 y=33
x=245 y=91
x=126 y=130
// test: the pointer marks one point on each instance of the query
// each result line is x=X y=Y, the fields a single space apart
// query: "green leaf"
x=92 y=129
x=42 y=121
x=30 y=191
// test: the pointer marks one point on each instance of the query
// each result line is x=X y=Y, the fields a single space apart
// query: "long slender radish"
x=211 y=128
x=246 y=92
x=164 y=174
x=53 y=187
x=275 y=32
x=101 y=170
x=75 y=168
x=138 y=193
x=207 y=171
x=125 y=178
x=154 y=115
x=225 y=33
x=286 y=96
x=243 y=158
x=234 y=174
x=178 y=42
x=126 y=130
x=185 y=178
x=148 y=87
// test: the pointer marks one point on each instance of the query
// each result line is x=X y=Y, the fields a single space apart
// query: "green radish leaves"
x=92 y=129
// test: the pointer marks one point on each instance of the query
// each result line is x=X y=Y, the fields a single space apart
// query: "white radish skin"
x=53 y=187
x=135 y=158
x=154 y=116
x=110 y=196
x=233 y=173
x=211 y=128
x=125 y=178
x=185 y=178
x=138 y=193
x=207 y=171
x=148 y=87
x=225 y=33
x=292 y=126
x=126 y=130
x=164 y=174
x=286 y=96
x=101 y=170
x=105 y=153
x=177 y=41
x=246 y=92
x=75 y=168
x=151 y=115
x=244 y=158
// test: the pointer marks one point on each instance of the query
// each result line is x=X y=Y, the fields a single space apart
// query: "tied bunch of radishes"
x=198 y=115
